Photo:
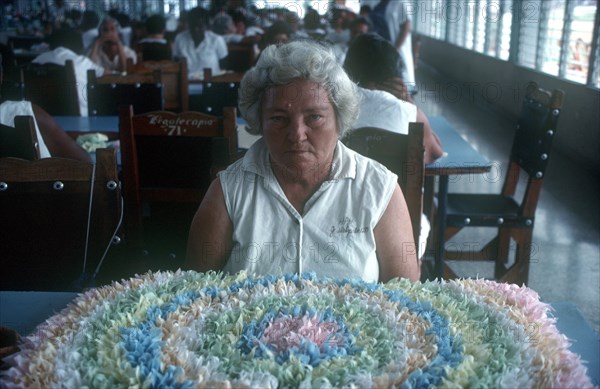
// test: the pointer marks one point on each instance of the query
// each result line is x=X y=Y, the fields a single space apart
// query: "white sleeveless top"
x=10 y=109
x=383 y=110
x=333 y=238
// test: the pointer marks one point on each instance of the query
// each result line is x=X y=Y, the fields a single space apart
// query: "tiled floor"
x=566 y=259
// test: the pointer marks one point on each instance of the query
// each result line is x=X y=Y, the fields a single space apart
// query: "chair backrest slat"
x=170 y=157
x=52 y=87
x=174 y=78
x=106 y=94
x=53 y=230
x=401 y=154
x=532 y=144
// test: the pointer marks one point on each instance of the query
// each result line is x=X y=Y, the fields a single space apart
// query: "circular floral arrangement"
x=188 y=329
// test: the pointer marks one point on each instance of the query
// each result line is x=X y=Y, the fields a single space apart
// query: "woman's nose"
x=297 y=130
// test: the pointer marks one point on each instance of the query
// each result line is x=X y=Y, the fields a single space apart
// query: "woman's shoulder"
x=366 y=168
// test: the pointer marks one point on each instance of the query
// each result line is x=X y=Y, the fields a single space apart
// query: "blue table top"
x=459 y=157
x=88 y=123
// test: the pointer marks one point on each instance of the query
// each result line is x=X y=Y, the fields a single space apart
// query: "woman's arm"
x=433 y=145
x=59 y=143
x=210 y=237
x=396 y=250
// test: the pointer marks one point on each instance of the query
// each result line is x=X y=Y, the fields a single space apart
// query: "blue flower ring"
x=292 y=331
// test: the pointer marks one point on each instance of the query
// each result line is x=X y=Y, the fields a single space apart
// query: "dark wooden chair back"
x=174 y=78
x=241 y=57
x=513 y=218
x=52 y=87
x=169 y=158
x=20 y=141
x=532 y=143
x=403 y=155
x=217 y=92
x=153 y=51
x=106 y=94
x=59 y=218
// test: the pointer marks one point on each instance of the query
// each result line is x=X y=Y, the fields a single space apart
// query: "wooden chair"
x=107 y=93
x=52 y=87
x=20 y=141
x=512 y=218
x=170 y=158
x=59 y=218
x=174 y=78
x=217 y=92
x=402 y=154
x=241 y=57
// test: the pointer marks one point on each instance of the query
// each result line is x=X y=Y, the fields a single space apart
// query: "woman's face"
x=109 y=28
x=299 y=127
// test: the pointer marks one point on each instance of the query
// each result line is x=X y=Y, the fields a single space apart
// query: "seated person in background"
x=278 y=33
x=375 y=65
x=53 y=141
x=358 y=26
x=339 y=31
x=312 y=24
x=154 y=46
x=200 y=47
x=65 y=44
x=299 y=200
x=108 y=49
x=243 y=27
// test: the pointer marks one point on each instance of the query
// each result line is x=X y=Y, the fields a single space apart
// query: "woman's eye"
x=315 y=117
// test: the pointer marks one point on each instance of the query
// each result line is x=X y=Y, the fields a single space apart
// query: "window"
x=552 y=36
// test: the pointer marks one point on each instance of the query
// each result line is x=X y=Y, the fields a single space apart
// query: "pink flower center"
x=286 y=332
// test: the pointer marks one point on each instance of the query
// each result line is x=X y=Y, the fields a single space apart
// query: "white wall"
x=500 y=86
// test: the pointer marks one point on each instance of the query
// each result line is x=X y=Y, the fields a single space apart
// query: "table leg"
x=441 y=225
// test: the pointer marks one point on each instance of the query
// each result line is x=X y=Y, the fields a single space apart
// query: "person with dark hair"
x=358 y=26
x=376 y=67
x=278 y=33
x=312 y=24
x=154 y=46
x=201 y=47
x=65 y=44
x=339 y=20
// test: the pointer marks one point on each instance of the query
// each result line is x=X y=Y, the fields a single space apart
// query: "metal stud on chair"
x=58 y=185
x=112 y=185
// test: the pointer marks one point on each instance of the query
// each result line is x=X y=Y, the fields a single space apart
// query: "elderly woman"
x=299 y=200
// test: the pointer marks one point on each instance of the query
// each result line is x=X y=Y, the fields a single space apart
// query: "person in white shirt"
x=199 y=46
x=65 y=44
x=108 y=49
x=375 y=65
x=397 y=17
x=300 y=201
